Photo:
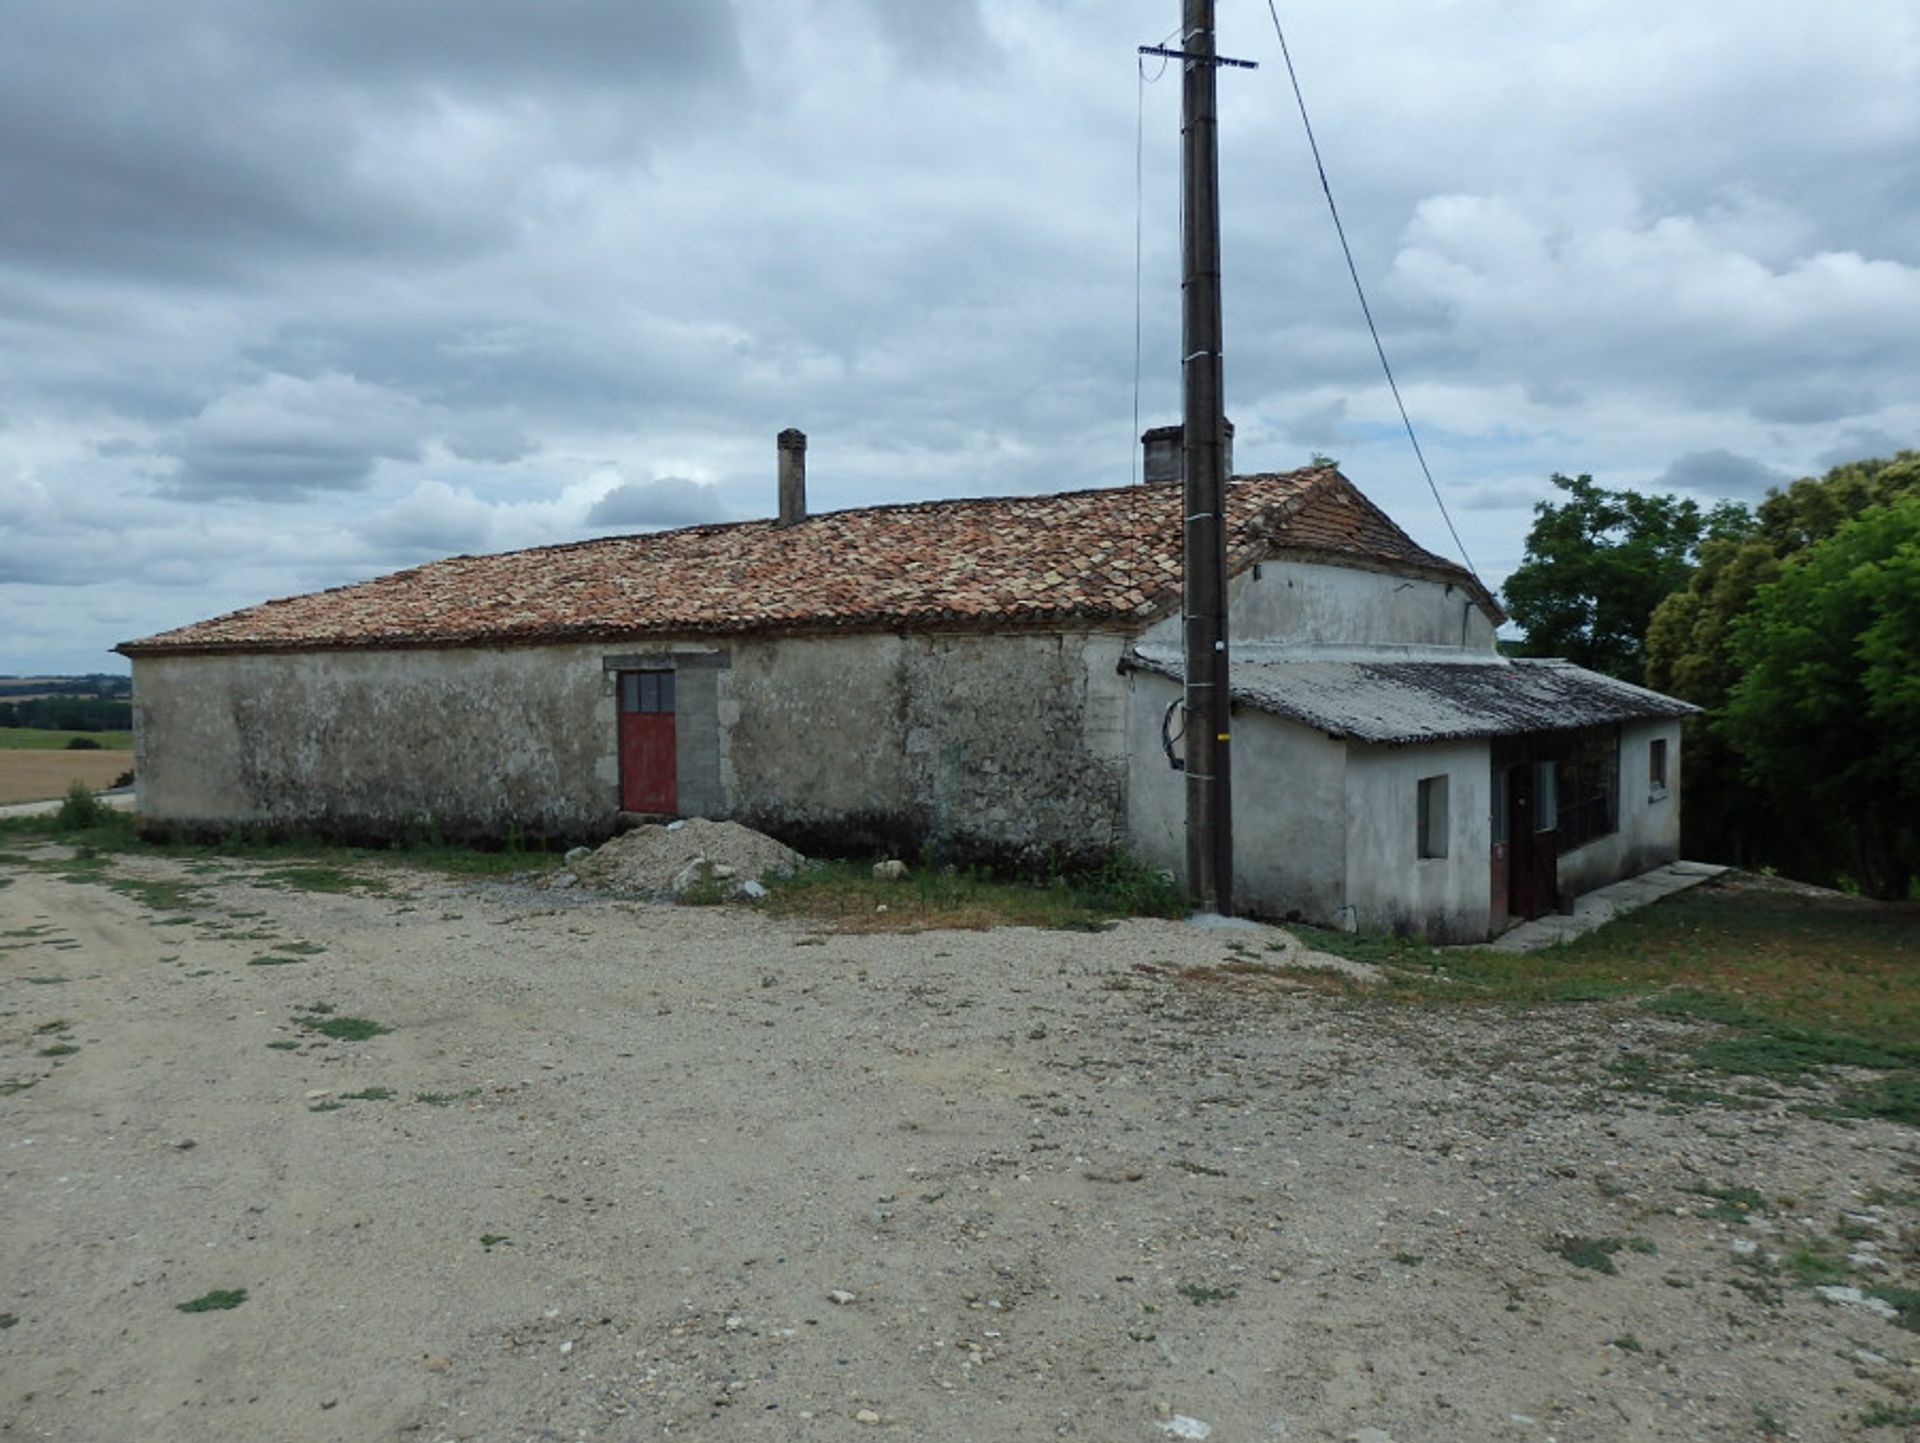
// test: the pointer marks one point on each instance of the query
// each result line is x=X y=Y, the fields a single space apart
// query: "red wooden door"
x=648 y=764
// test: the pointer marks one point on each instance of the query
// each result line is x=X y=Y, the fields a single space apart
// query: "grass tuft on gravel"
x=847 y=897
x=342 y=1029
x=217 y=1301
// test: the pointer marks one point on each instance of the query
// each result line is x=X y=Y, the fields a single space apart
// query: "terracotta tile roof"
x=1084 y=556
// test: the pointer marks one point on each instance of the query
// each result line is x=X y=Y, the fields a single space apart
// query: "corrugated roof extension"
x=1396 y=700
x=1083 y=556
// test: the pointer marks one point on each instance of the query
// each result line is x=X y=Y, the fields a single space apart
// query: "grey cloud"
x=664 y=502
x=1804 y=400
x=613 y=44
x=1862 y=444
x=1546 y=392
x=221 y=146
x=1718 y=472
x=930 y=34
x=433 y=521
x=488 y=441
x=1317 y=425
x=284 y=438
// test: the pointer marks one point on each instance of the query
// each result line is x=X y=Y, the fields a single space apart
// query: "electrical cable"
x=1134 y=461
x=1359 y=290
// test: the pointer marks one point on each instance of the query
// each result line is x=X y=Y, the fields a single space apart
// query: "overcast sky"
x=295 y=294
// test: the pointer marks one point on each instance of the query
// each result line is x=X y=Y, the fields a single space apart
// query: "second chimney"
x=793 y=476
x=1165 y=458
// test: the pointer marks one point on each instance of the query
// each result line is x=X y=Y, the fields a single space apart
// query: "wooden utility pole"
x=1209 y=726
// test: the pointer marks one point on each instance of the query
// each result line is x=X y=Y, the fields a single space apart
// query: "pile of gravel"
x=684 y=857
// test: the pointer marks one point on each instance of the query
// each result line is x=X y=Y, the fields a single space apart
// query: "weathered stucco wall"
x=1307 y=602
x=1289 y=808
x=1388 y=883
x=484 y=741
x=1004 y=746
x=1649 y=832
x=1008 y=746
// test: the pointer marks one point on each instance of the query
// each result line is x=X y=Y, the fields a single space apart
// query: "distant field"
x=36 y=776
x=35 y=739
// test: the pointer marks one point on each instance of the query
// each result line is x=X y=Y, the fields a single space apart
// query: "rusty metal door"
x=648 y=763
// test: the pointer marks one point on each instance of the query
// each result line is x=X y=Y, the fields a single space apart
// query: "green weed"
x=1731 y=1204
x=219 y=1300
x=1200 y=1295
x=343 y=1029
x=1812 y=1268
x=1891 y=1415
x=1595 y=1254
x=1895 y=1097
x=323 y=877
x=270 y=960
x=1905 y=1302
x=368 y=1094
x=60 y=1049
x=849 y=898
x=8 y=1089
x=445 y=1099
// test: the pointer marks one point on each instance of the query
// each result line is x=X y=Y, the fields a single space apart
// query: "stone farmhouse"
x=975 y=679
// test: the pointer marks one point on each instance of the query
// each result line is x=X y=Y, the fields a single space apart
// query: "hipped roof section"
x=1081 y=557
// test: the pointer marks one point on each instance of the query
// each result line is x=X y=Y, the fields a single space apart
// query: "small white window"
x=1657 y=767
x=1433 y=816
x=1546 y=797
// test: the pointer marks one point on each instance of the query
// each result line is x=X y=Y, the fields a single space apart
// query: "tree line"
x=97 y=683
x=1794 y=625
x=68 y=714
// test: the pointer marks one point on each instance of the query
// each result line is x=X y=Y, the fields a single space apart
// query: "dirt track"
x=1059 y=1188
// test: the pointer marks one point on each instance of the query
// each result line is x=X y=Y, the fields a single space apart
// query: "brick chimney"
x=1165 y=458
x=792 y=446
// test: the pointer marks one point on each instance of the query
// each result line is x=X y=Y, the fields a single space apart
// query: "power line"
x=1360 y=290
x=1134 y=461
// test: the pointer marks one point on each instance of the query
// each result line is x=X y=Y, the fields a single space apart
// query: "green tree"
x=1689 y=652
x=1599 y=562
x=1826 y=714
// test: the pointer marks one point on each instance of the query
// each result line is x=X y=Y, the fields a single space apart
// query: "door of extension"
x=648 y=765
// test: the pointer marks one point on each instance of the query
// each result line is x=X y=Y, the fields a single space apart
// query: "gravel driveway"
x=651 y=1171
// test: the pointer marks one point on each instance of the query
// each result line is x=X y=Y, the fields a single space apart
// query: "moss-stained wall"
x=476 y=741
x=980 y=746
x=1009 y=747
